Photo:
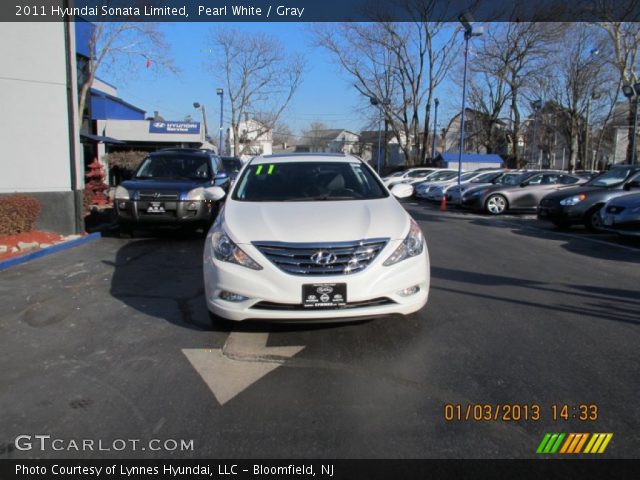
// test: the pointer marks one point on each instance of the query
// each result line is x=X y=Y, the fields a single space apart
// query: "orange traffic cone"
x=443 y=204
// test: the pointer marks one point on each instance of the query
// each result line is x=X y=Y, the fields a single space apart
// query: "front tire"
x=592 y=219
x=496 y=205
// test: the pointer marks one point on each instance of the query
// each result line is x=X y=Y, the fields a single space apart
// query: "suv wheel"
x=496 y=205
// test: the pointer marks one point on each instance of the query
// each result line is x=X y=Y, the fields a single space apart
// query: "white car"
x=313 y=238
x=411 y=176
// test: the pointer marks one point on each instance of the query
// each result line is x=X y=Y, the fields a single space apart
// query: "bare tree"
x=576 y=84
x=282 y=134
x=401 y=62
x=622 y=48
x=260 y=78
x=126 y=46
x=313 y=135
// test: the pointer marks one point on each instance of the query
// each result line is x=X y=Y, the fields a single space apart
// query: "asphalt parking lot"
x=111 y=340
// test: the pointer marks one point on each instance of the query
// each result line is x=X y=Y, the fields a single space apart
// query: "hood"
x=627 y=200
x=307 y=222
x=178 y=185
x=569 y=191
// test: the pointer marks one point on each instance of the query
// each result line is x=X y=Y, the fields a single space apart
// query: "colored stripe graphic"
x=572 y=443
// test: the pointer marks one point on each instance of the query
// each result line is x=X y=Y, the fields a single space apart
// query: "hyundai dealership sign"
x=174 y=127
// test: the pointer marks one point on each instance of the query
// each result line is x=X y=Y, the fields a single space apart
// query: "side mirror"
x=633 y=184
x=220 y=178
x=524 y=184
x=402 y=190
x=214 y=193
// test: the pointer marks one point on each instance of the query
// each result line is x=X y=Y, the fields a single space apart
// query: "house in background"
x=479 y=132
x=330 y=141
x=256 y=138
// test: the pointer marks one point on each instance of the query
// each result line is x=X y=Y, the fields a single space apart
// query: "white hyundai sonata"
x=313 y=238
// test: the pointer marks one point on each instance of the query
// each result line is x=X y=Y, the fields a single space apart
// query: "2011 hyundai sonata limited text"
x=313 y=237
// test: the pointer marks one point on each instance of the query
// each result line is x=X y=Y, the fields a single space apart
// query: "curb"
x=12 y=262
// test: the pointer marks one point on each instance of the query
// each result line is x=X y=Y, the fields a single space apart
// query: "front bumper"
x=560 y=213
x=626 y=224
x=176 y=212
x=274 y=295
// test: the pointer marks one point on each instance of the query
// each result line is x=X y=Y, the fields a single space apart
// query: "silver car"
x=531 y=187
x=622 y=215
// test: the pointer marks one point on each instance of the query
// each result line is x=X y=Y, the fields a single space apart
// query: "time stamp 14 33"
x=515 y=412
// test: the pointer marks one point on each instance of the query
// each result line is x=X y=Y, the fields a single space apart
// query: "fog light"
x=409 y=291
x=232 y=297
x=122 y=205
x=192 y=206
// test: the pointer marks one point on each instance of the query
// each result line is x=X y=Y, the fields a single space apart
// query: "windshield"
x=486 y=177
x=176 y=167
x=231 y=164
x=615 y=176
x=467 y=176
x=417 y=173
x=308 y=181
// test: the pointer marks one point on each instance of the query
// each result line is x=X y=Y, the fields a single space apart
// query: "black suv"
x=168 y=189
x=582 y=204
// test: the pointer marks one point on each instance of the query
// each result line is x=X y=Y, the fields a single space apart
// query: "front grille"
x=342 y=258
x=375 y=302
x=546 y=202
x=158 y=196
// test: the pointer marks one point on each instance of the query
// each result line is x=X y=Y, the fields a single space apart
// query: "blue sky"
x=325 y=94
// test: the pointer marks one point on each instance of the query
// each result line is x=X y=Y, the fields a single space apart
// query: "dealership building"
x=46 y=144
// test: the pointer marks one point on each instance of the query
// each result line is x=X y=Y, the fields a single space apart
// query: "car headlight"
x=122 y=193
x=225 y=250
x=195 y=195
x=411 y=246
x=573 y=200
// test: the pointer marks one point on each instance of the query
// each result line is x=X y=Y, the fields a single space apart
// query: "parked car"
x=622 y=214
x=485 y=179
x=422 y=189
x=326 y=241
x=581 y=205
x=526 y=195
x=411 y=176
x=439 y=190
x=168 y=189
x=232 y=165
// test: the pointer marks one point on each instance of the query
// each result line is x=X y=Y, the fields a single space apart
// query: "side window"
x=568 y=180
x=535 y=180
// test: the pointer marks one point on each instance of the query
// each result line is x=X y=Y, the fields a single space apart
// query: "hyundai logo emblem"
x=324 y=258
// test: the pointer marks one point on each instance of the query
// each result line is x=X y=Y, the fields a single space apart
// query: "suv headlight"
x=197 y=194
x=225 y=250
x=573 y=200
x=122 y=193
x=412 y=245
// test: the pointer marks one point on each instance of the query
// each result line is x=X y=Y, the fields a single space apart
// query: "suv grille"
x=158 y=196
x=341 y=258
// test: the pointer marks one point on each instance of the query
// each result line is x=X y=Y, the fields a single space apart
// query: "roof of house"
x=328 y=134
x=472 y=157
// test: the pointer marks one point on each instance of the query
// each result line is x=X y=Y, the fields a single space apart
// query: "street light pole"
x=435 y=126
x=467 y=24
x=635 y=126
x=197 y=105
x=379 y=103
x=220 y=92
x=535 y=105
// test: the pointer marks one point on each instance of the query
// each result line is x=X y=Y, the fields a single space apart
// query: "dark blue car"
x=168 y=189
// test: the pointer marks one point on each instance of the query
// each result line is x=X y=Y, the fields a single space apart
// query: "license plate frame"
x=324 y=295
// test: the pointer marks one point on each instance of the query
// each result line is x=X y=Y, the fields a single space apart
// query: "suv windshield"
x=231 y=164
x=615 y=176
x=308 y=181
x=177 y=167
